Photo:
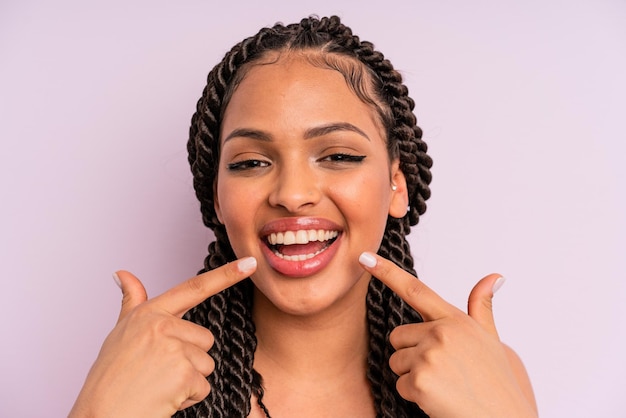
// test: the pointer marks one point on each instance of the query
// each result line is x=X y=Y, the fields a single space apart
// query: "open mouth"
x=300 y=245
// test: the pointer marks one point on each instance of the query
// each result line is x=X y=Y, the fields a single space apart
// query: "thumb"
x=479 y=304
x=133 y=292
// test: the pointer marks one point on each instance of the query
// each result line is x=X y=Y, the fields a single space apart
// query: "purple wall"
x=522 y=105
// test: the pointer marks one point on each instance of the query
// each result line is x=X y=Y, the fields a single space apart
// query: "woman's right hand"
x=153 y=362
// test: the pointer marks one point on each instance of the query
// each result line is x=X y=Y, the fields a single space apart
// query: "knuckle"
x=197 y=388
x=393 y=338
x=204 y=388
x=487 y=303
x=440 y=334
x=203 y=337
x=394 y=363
x=170 y=348
x=430 y=358
x=208 y=340
x=417 y=381
x=162 y=327
x=420 y=384
x=412 y=386
x=126 y=301
x=415 y=289
x=232 y=273
x=401 y=335
x=196 y=285
x=165 y=326
x=383 y=268
x=210 y=366
x=185 y=374
x=401 y=388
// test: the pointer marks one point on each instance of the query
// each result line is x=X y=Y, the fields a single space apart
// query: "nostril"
x=295 y=193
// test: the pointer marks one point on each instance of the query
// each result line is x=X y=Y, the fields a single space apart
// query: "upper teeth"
x=300 y=236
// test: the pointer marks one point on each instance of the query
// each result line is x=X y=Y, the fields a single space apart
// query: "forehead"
x=278 y=78
x=295 y=89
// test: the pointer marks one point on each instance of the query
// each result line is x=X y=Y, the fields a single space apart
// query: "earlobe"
x=399 y=194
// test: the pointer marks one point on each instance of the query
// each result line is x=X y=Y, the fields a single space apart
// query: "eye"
x=343 y=158
x=247 y=165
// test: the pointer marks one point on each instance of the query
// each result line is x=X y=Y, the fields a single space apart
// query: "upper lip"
x=297 y=224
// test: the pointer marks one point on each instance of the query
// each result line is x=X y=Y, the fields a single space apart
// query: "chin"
x=312 y=295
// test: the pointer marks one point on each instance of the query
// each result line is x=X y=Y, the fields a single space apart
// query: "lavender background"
x=522 y=104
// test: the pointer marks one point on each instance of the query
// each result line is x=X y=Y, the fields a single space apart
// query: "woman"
x=307 y=161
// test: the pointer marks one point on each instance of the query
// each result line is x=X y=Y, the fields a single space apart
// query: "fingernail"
x=246 y=265
x=497 y=284
x=367 y=259
x=117 y=280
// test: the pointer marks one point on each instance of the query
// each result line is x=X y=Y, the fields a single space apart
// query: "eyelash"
x=348 y=158
x=332 y=158
x=247 y=165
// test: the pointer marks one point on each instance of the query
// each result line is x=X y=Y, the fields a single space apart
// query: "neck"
x=314 y=365
x=322 y=345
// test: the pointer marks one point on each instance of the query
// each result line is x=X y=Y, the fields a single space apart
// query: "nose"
x=297 y=187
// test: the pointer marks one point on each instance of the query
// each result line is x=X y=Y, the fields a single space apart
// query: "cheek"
x=235 y=208
x=364 y=196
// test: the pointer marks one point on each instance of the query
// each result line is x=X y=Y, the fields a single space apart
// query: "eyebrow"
x=310 y=133
x=333 y=127
x=248 y=133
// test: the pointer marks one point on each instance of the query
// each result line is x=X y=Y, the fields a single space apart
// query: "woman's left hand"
x=453 y=364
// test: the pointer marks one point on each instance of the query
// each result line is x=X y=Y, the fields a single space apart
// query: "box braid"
x=228 y=314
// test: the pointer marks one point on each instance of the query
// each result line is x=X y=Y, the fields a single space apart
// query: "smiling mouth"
x=300 y=245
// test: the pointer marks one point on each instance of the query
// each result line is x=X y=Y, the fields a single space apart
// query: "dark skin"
x=154 y=363
x=112 y=389
x=311 y=330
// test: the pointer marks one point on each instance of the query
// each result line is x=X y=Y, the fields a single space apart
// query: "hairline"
x=359 y=78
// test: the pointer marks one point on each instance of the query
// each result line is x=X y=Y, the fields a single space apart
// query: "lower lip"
x=302 y=268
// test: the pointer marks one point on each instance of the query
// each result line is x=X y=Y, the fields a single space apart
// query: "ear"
x=216 y=203
x=400 y=196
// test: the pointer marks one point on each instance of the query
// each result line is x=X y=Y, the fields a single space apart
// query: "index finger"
x=194 y=291
x=412 y=290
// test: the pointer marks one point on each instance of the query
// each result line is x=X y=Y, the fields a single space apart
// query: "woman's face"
x=304 y=184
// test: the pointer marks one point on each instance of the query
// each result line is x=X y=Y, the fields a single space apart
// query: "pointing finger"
x=419 y=296
x=194 y=291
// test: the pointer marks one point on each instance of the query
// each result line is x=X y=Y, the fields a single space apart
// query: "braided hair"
x=228 y=314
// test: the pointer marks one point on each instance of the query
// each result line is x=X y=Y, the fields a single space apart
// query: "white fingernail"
x=117 y=280
x=367 y=259
x=497 y=284
x=246 y=265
